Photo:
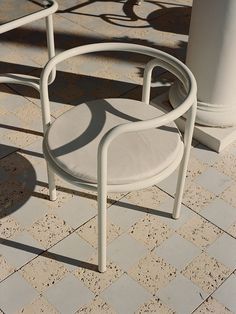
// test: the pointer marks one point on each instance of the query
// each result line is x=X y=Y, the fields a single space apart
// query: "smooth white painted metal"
x=188 y=106
x=46 y=13
x=211 y=58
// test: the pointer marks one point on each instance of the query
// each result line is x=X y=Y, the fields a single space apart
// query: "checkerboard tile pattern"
x=48 y=260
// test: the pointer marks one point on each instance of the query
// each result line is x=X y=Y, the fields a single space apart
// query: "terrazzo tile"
x=8 y=227
x=13 y=194
x=49 y=230
x=214 y=181
x=177 y=251
x=5 y=268
x=131 y=295
x=69 y=294
x=3 y=175
x=39 y=305
x=96 y=306
x=227 y=165
x=206 y=272
x=224 y=250
x=77 y=211
x=220 y=213
x=196 y=197
x=205 y=155
x=20 y=138
x=125 y=251
x=200 y=232
x=15 y=293
x=146 y=199
x=165 y=215
x=150 y=231
x=43 y=272
x=195 y=168
x=95 y=280
x=225 y=294
x=181 y=295
x=212 y=306
x=153 y=273
x=72 y=251
x=229 y=195
x=169 y=184
x=30 y=211
x=232 y=230
x=154 y=306
x=23 y=246
x=89 y=232
x=124 y=214
x=62 y=197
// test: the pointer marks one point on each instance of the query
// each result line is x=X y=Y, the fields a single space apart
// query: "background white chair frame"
x=43 y=13
x=188 y=107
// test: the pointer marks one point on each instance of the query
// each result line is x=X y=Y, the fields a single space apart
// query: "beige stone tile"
x=29 y=113
x=89 y=232
x=43 y=272
x=199 y=231
x=95 y=280
x=49 y=230
x=62 y=197
x=152 y=272
x=39 y=305
x=227 y=165
x=148 y=198
x=154 y=306
x=151 y=231
x=195 y=168
x=13 y=194
x=20 y=138
x=206 y=272
x=8 y=227
x=5 y=268
x=14 y=164
x=212 y=306
x=232 y=230
x=196 y=197
x=229 y=195
x=97 y=306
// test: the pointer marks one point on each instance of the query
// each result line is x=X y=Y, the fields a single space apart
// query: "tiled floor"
x=48 y=249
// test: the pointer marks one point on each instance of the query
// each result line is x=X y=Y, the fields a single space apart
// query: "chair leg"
x=51 y=184
x=102 y=227
x=179 y=189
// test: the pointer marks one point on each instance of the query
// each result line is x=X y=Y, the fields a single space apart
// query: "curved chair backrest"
x=161 y=59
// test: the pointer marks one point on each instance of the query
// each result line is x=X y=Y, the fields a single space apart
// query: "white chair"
x=117 y=145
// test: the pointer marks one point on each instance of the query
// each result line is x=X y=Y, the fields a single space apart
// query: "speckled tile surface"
x=212 y=306
x=206 y=272
x=58 y=240
x=43 y=272
x=153 y=272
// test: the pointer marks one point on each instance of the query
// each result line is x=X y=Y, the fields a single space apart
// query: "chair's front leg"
x=102 y=227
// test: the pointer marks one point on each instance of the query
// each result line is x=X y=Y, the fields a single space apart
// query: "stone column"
x=211 y=56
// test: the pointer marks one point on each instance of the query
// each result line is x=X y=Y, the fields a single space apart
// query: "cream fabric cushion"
x=72 y=141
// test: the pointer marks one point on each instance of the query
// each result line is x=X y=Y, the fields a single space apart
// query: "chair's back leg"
x=184 y=163
x=50 y=44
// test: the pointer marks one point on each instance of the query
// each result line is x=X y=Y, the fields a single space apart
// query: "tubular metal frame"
x=43 y=13
x=188 y=107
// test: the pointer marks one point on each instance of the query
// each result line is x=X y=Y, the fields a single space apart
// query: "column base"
x=214 y=138
x=213 y=115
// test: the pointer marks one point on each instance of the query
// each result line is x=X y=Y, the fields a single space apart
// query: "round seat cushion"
x=72 y=141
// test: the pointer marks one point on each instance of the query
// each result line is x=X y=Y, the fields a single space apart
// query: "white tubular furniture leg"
x=184 y=163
